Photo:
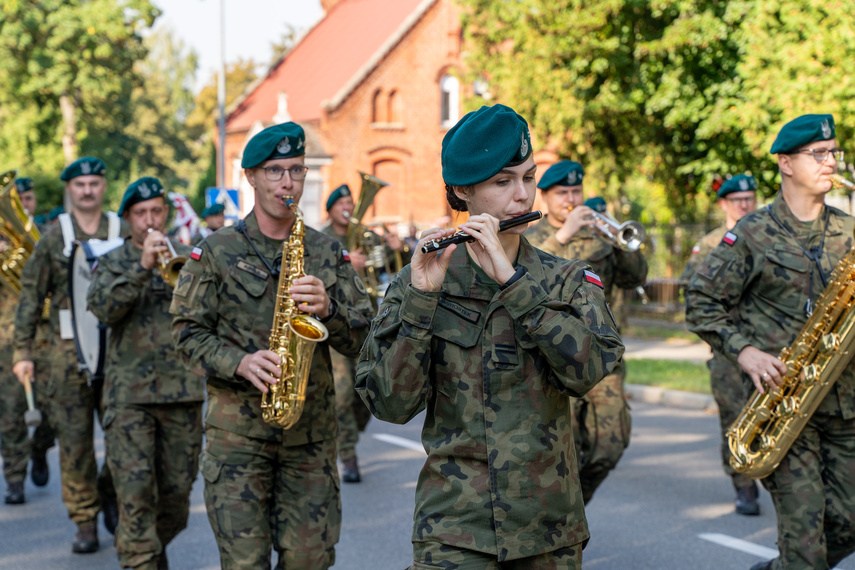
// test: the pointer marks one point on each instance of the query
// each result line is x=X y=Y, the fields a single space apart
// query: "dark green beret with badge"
x=340 y=192
x=803 y=130
x=739 y=183
x=482 y=143
x=564 y=173
x=145 y=188
x=597 y=204
x=84 y=167
x=55 y=212
x=213 y=210
x=279 y=141
x=23 y=185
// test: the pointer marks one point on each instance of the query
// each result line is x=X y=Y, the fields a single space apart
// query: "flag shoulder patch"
x=196 y=254
x=592 y=277
x=729 y=238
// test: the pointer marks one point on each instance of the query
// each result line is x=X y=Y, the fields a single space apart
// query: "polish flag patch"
x=592 y=277
x=696 y=250
x=729 y=238
x=345 y=254
x=196 y=254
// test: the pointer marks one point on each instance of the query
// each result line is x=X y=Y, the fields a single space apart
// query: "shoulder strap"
x=67 y=227
x=114 y=225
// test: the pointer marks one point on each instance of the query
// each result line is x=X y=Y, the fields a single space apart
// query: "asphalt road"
x=668 y=505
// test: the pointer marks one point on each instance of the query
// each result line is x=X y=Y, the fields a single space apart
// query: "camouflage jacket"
x=7 y=323
x=704 y=246
x=142 y=365
x=224 y=305
x=617 y=268
x=493 y=368
x=46 y=273
x=752 y=289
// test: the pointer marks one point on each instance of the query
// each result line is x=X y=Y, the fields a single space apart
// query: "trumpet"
x=629 y=236
x=840 y=183
x=169 y=263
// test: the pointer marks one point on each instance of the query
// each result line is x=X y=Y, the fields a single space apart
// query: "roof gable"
x=330 y=60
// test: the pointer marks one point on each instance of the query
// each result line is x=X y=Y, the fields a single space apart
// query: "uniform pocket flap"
x=252 y=283
x=456 y=323
x=210 y=468
x=788 y=257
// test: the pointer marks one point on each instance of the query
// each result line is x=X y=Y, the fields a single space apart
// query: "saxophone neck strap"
x=241 y=227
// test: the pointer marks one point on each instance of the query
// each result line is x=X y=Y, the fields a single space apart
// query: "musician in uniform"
x=736 y=197
x=601 y=419
x=152 y=404
x=16 y=448
x=214 y=216
x=750 y=298
x=490 y=338
x=264 y=485
x=351 y=412
x=84 y=491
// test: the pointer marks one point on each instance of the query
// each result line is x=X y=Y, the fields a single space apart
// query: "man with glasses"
x=750 y=298
x=266 y=487
x=736 y=197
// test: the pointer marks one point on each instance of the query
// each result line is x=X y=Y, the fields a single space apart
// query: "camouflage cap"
x=482 y=143
x=565 y=173
x=739 y=183
x=23 y=185
x=84 y=167
x=213 y=210
x=279 y=141
x=596 y=203
x=145 y=188
x=340 y=192
x=803 y=130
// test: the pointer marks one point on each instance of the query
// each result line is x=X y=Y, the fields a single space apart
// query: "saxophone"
x=770 y=423
x=293 y=336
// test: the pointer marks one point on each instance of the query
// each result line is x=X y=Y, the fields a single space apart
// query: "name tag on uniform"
x=66 y=331
x=251 y=269
x=458 y=309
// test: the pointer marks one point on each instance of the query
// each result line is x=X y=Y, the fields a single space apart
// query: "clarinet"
x=460 y=237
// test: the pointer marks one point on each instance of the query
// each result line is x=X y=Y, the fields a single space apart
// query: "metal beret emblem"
x=85 y=168
x=826 y=129
x=744 y=185
x=571 y=178
x=284 y=146
x=524 y=145
x=145 y=191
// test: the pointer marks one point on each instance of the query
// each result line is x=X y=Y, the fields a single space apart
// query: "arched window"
x=376 y=108
x=394 y=107
x=449 y=91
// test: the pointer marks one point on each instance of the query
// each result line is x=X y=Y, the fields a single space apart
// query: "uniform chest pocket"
x=785 y=278
x=240 y=297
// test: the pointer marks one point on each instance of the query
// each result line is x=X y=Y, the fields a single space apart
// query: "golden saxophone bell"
x=628 y=236
x=169 y=264
x=19 y=233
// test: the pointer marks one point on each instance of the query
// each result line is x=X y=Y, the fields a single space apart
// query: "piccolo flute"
x=460 y=237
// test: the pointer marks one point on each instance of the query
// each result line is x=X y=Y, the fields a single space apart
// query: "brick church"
x=375 y=85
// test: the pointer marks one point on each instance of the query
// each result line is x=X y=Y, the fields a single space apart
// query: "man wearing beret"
x=601 y=419
x=152 y=403
x=749 y=299
x=736 y=197
x=75 y=400
x=352 y=414
x=265 y=486
x=214 y=216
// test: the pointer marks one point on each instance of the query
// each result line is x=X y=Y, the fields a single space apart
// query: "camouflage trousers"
x=731 y=391
x=153 y=453
x=433 y=555
x=813 y=490
x=74 y=407
x=16 y=448
x=351 y=411
x=601 y=429
x=261 y=495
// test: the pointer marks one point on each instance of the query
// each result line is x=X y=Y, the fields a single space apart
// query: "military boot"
x=351 y=471
x=111 y=513
x=86 y=540
x=746 y=500
x=162 y=562
x=39 y=472
x=15 y=494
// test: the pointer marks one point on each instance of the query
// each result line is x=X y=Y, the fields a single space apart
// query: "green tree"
x=202 y=119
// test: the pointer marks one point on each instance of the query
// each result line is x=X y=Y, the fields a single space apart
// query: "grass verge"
x=669 y=374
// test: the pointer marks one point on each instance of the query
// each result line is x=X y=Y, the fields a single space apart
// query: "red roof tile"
x=326 y=60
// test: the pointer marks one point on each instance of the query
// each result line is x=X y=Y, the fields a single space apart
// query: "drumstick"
x=32 y=417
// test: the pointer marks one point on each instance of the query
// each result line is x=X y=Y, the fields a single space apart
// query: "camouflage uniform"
x=729 y=387
x=601 y=419
x=493 y=368
x=152 y=406
x=264 y=485
x=74 y=401
x=752 y=292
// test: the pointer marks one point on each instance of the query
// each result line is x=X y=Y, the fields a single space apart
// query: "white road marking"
x=400 y=442
x=741 y=545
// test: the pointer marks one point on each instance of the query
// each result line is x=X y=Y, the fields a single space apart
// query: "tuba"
x=293 y=336
x=360 y=237
x=19 y=232
x=770 y=423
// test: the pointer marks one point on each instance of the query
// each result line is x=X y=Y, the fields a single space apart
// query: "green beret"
x=279 y=141
x=145 y=188
x=213 y=210
x=799 y=132
x=23 y=185
x=54 y=213
x=482 y=143
x=41 y=219
x=596 y=203
x=340 y=192
x=565 y=173
x=739 y=183
x=83 y=167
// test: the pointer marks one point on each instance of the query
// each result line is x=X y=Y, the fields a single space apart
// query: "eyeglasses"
x=821 y=154
x=747 y=200
x=275 y=173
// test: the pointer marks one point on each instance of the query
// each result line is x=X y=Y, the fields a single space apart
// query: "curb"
x=670 y=398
